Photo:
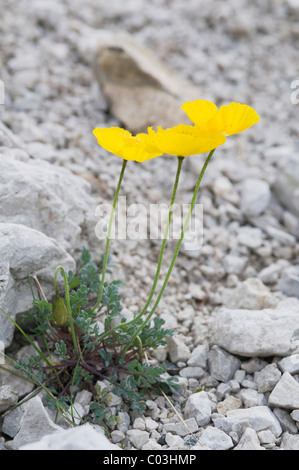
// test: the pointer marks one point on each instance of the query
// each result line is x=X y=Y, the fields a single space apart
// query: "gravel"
x=234 y=302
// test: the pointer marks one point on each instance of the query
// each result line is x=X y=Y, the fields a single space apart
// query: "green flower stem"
x=68 y=304
x=175 y=187
x=105 y=262
x=177 y=249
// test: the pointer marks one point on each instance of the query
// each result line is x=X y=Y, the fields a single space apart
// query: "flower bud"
x=60 y=311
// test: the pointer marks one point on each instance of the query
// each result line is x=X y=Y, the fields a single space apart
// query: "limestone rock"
x=84 y=437
x=251 y=294
x=34 y=424
x=8 y=397
x=199 y=406
x=222 y=365
x=257 y=333
x=249 y=441
x=24 y=252
x=47 y=198
x=178 y=350
x=140 y=89
x=258 y=417
x=215 y=439
x=286 y=393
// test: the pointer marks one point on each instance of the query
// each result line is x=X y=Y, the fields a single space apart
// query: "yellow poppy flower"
x=184 y=140
x=122 y=143
x=229 y=119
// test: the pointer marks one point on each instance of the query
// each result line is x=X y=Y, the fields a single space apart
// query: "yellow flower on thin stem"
x=228 y=119
x=122 y=143
x=184 y=140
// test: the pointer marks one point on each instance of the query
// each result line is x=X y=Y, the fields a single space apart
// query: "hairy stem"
x=105 y=262
x=161 y=254
x=177 y=249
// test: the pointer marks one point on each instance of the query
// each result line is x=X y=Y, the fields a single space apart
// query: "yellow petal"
x=237 y=117
x=183 y=140
x=112 y=139
x=229 y=119
x=120 y=142
x=200 y=111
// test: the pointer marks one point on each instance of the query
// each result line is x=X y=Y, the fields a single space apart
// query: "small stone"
x=255 y=196
x=137 y=437
x=251 y=237
x=253 y=365
x=249 y=384
x=285 y=420
x=234 y=385
x=114 y=400
x=290 y=442
x=230 y=403
x=199 y=406
x=117 y=436
x=259 y=418
x=199 y=356
x=215 y=439
x=196 y=292
x=178 y=350
x=150 y=424
x=290 y=364
x=139 y=424
x=267 y=378
x=182 y=429
x=249 y=441
x=223 y=187
x=295 y=415
x=239 y=375
x=251 y=398
x=251 y=294
x=151 y=444
x=234 y=264
x=8 y=397
x=222 y=390
x=266 y=437
x=124 y=423
x=83 y=397
x=222 y=365
x=286 y=393
x=190 y=372
x=174 y=441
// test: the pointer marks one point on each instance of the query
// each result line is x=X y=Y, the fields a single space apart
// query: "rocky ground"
x=234 y=303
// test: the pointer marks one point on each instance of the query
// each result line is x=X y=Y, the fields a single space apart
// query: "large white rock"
x=24 y=252
x=140 y=89
x=34 y=424
x=47 y=198
x=257 y=333
x=84 y=437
